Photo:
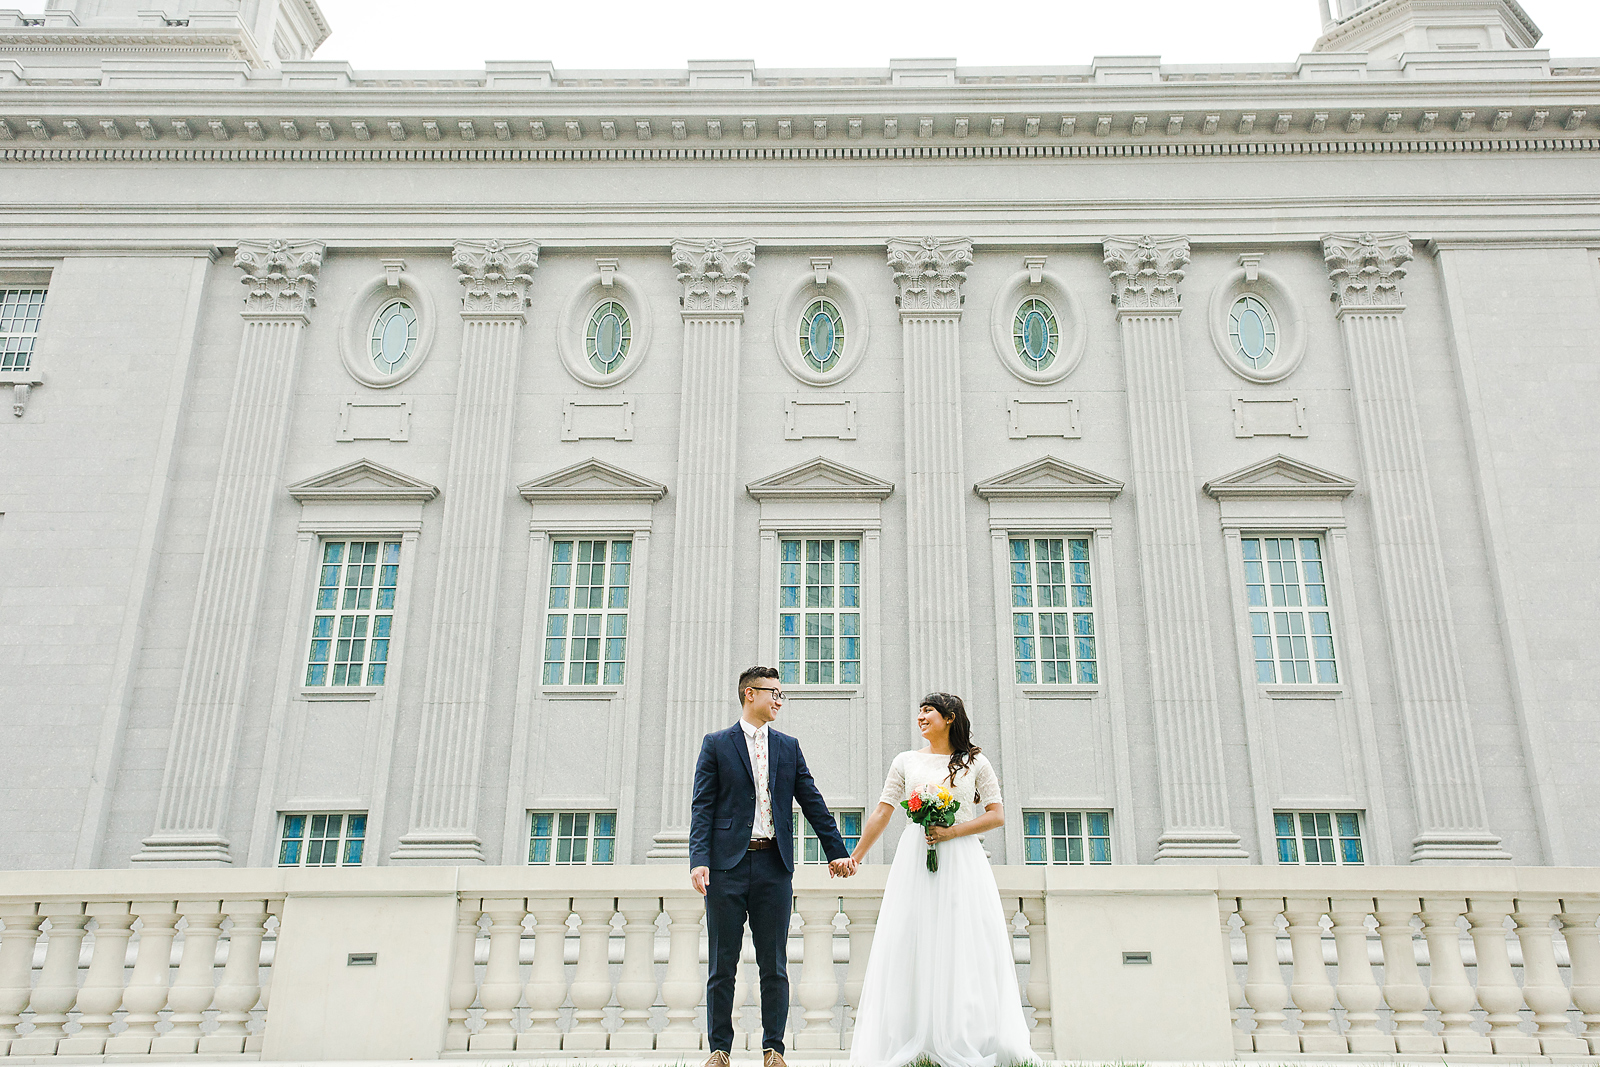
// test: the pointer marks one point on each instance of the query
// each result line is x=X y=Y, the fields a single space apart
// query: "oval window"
x=1253 y=331
x=822 y=335
x=608 y=337
x=1034 y=331
x=394 y=336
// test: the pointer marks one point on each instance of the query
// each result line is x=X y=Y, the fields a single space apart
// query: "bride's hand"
x=935 y=834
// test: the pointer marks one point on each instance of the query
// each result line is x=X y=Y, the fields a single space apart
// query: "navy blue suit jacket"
x=724 y=806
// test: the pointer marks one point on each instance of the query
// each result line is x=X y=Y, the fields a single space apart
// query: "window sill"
x=847 y=690
x=1302 y=692
x=340 y=692
x=580 y=692
x=1078 y=691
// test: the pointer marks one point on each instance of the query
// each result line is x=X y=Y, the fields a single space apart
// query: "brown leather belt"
x=759 y=843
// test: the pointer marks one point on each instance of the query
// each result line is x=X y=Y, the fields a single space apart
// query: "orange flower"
x=916 y=802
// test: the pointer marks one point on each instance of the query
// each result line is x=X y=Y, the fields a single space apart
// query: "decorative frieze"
x=1145 y=274
x=714 y=274
x=929 y=272
x=495 y=274
x=192 y=808
x=1446 y=780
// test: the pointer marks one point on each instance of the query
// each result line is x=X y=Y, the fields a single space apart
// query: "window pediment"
x=589 y=482
x=363 y=481
x=1049 y=478
x=1281 y=478
x=820 y=479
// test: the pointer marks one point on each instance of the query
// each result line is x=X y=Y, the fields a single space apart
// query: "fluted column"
x=1145 y=273
x=928 y=274
x=1446 y=785
x=444 y=793
x=198 y=777
x=701 y=674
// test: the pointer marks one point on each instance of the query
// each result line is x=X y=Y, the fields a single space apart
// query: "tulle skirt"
x=941 y=981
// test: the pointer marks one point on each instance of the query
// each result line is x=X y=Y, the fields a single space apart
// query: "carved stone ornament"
x=1366 y=270
x=1145 y=271
x=930 y=272
x=495 y=274
x=713 y=273
x=282 y=275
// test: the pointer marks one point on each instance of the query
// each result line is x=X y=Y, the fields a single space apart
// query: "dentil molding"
x=1145 y=271
x=929 y=272
x=1366 y=269
x=495 y=274
x=282 y=275
x=713 y=274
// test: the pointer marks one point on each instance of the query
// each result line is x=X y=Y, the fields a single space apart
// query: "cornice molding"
x=1146 y=271
x=282 y=275
x=1366 y=269
x=713 y=274
x=929 y=272
x=495 y=274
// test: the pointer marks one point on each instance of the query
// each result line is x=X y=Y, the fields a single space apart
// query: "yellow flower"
x=944 y=795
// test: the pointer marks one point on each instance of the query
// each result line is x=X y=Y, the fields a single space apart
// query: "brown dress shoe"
x=772 y=1058
x=717 y=1059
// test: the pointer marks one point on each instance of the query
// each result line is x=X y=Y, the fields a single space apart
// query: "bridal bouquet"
x=932 y=806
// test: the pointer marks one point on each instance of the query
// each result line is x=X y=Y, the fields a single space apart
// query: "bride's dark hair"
x=954 y=712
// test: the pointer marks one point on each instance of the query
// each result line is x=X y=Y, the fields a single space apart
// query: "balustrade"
x=598 y=960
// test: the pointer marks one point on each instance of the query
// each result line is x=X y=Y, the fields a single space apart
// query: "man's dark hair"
x=752 y=675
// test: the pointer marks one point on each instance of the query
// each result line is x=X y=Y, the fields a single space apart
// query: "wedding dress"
x=941 y=981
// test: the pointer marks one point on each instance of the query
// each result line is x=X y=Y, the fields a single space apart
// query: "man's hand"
x=841 y=868
x=700 y=878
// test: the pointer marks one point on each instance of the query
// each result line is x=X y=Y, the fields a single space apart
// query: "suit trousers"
x=761 y=888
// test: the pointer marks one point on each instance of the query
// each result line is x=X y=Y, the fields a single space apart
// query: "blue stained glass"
x=1035 y=335
x=608 y=338
x=822 y=335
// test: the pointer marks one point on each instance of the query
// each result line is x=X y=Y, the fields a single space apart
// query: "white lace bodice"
x=976 y=787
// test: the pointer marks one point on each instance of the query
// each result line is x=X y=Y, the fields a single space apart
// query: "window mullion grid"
x=1291 y=623
x=819 y=616
x=586 y=628
x=20 y=311
x=1053 y=647
x=352 y=623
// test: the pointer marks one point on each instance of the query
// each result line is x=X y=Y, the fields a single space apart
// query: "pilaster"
x=1145 y=275
x=1446 y=785
x=701 y=675
x=928 y=275
x=496 y=276
x=281 y=277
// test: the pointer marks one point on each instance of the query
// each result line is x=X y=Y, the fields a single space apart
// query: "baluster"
x=17 y=943
x=1447 y=975
x=102 y=986
x=502 y=976
x=547 y=984
x=1263 y=981
x=636 y=987
x=1402 y=982
x=1358 y=989
x=591 y=985
x=745 y=984
x=1541 y=981
x=1578 y=915
x=684 y=985
x=1313 y=993
x=1498 y=994
x=193 y=988
x=463 y=974
x=146 y=993
x=1226 y=908
x=1043 y=1036
x=58 y=981
x=240 y=988
x=862 y=912
x=819 y=986
x=253 y=1042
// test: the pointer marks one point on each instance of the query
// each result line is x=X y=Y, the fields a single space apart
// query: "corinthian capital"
x=929 y=272
x=495 y=274
x=713 y=273
x=1366 y=269
x=282 y=275
x=1145 y=271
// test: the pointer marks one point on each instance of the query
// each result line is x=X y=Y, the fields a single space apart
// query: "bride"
x=941 y=982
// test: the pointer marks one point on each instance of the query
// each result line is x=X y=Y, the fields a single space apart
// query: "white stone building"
x=848 y=355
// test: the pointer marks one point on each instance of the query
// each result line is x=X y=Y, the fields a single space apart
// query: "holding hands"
x=842 y=868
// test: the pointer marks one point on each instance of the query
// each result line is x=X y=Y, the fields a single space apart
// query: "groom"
x=741 y=851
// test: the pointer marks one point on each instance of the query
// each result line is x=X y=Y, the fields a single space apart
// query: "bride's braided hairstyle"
x=954 y=712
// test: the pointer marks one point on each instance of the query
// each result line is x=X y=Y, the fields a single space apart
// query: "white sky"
x=462 y=34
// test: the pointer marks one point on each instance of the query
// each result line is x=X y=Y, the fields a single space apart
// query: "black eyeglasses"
x=777 y=694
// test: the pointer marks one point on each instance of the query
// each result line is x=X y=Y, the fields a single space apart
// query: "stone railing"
x=1189 y=963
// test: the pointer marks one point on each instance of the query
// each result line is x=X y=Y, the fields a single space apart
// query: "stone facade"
x=184 y=448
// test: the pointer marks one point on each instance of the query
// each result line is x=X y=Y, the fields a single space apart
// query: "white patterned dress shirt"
x=756 y=741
